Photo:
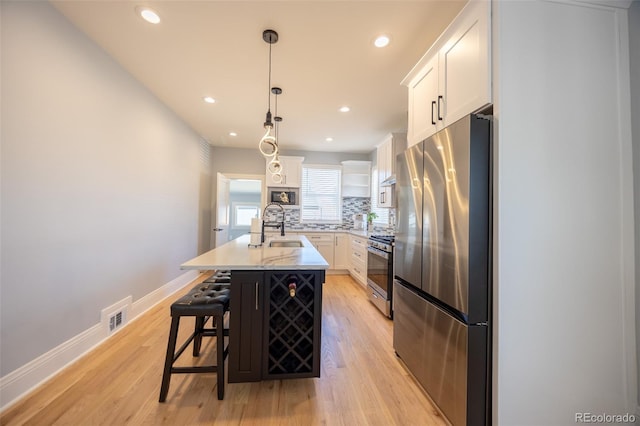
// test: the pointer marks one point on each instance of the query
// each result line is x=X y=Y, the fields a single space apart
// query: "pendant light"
x=268 y=144
x=274 y=166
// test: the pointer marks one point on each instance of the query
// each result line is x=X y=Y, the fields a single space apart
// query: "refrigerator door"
x=447 y=357
x=455 y=216
x=408 y=238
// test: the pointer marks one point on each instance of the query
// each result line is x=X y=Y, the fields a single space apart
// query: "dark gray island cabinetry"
x=274 y=332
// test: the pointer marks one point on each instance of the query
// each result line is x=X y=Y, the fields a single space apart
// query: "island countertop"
x=237 y=255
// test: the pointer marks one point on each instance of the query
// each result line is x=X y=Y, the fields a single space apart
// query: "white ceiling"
x=324 y=59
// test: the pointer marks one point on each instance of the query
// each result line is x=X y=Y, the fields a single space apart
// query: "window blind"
x=320 y=193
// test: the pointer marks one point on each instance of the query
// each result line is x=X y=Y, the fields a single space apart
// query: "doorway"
x=239 y=197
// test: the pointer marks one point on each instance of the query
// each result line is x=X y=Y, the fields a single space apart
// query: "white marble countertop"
x=237 y=255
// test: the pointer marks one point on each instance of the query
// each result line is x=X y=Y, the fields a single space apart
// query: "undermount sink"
x=286 y=243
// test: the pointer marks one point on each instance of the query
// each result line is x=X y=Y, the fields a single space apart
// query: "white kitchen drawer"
x=358 y=243
x=359 y=273
x=320 y=237
x=358 y=269
x=359 y=256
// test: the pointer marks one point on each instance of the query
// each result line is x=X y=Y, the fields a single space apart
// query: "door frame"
x=214 y=198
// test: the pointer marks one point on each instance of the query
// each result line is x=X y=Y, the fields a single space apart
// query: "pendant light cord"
x=275 y=125
x=269 y=87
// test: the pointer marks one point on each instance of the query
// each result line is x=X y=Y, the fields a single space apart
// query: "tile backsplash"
x=350 y=206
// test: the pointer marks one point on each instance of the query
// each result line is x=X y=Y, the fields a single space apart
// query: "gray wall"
x=634 y=49
x=315 y=157
x=250 y=161
x=236 y=160
x=104 y=190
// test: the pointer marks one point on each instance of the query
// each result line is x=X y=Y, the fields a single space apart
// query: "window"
x=383 y=213
x=243 y=213
x=320 y=194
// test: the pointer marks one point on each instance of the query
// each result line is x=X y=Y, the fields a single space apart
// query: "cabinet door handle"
x=433 y=104
x=440 y=98
x=256 y=295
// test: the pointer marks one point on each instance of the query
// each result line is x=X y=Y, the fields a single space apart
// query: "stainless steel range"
x=380 y=272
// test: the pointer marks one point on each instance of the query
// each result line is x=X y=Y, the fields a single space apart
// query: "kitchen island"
x=276 y=306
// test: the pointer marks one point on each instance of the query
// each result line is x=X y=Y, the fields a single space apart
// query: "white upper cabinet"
x=356 y=178
x=291 y=172
x=393 y=144
x=453 y=78
x=423 y=95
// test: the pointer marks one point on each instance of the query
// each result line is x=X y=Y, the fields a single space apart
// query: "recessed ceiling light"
x=233 y=134
x=381 y=41
x=209 y=100
x=345 y=109
x=148 y=15
x=329 y=140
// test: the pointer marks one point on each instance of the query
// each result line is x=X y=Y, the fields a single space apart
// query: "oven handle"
x=378 y=252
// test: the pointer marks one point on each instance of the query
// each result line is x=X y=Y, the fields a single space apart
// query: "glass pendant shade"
x=274 y=165
x=268 y=145
x=277 y=177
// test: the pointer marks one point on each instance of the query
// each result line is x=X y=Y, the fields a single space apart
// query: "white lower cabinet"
x=358 y=267
x=341 y=252
x=324 y=243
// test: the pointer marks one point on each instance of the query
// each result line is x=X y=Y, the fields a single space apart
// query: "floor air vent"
x=115 y=321
x=115 y=316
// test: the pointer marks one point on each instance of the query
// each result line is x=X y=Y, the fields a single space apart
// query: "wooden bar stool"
x=202 y=302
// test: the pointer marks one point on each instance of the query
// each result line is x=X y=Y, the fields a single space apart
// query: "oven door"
x=378 y=270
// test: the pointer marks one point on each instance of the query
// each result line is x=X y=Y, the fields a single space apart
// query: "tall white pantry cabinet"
x=564 y=314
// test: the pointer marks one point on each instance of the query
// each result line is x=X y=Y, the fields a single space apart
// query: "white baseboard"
x=23 y=380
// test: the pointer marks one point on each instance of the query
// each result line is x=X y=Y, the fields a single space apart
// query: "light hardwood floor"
x=362 y=381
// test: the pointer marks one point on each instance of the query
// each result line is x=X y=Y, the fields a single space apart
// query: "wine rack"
x=293 y=332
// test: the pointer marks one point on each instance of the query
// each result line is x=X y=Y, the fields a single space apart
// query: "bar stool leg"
x=197 y=340
x=168 y=362
x=219 y=322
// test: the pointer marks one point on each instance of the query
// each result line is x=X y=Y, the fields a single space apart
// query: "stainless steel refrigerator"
x=441 y=327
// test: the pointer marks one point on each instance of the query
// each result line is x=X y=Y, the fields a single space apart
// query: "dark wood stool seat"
x=202 y=302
